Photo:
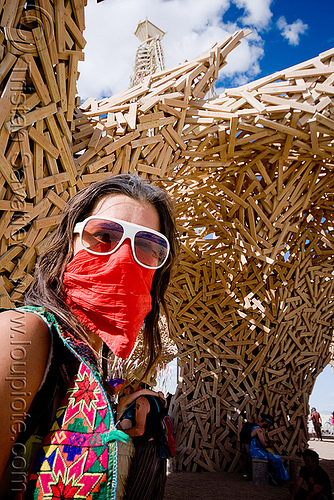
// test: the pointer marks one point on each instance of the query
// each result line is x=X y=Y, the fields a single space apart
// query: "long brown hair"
x=47 y=288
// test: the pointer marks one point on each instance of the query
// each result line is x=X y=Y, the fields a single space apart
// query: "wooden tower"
x=150 y=56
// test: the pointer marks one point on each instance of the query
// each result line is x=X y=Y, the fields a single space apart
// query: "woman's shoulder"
x=24 y=346
x=20 y=322
x=24 y=335
x=24 y=351
x=143 y=402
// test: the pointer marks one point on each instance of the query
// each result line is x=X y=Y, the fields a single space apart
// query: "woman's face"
x=124 y=208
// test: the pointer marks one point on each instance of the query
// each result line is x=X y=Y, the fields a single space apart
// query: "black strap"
x=124 y=411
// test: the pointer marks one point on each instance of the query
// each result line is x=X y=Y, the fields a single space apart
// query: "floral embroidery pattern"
x=70 y=464
x=74 y=461
x=63 y=491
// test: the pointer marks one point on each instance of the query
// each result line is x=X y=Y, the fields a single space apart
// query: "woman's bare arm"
x=259 y=433
x=125 y=401
x=142 y=409
x=24 y=348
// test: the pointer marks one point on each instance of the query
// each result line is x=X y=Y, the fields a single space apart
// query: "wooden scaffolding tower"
x=251 y=173
x=150 y=57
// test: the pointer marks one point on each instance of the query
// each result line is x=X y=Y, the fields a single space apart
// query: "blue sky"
x=298 y=30
x=322 y=396
x=284 y=33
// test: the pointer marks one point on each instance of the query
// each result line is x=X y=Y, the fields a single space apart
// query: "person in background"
x=125 y=419
x=147 y=476
x=260 y=448
x=316 y=479
x=317 y=423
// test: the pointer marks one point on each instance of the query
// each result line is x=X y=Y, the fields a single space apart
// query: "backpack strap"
x=156 y=402
x=123 y=413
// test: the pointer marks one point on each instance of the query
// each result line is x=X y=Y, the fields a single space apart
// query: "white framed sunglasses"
x=104 y=236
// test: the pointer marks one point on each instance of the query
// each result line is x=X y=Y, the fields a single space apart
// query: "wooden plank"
x=23 y=221
x=68 y=162
x=74 y=30
x=65 y=157
x=155 y=123
x=324 y=88
x=52 y=180
x=42 y=141
x=102 y=162
x=71 y=86
x=138 y=143
x=61 y=82
x=27 y=163
x=281 y=101
x=46 y=18
x=281 y=128
x=131 y=117
x=15 y=205
x=96 y=136
x=233 y=129
x=305 y=73
x=11 y=94
x=324 y=120
x=6 y=64
x=44 y=112
x=9 y=12
x=46 y=222
x=37 y=79
x=117 y=144
x=78 y=11
x=38 y=157
x=63 y=124
x=44 y=55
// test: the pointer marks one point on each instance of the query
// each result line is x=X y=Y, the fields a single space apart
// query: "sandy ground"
x=236 y=486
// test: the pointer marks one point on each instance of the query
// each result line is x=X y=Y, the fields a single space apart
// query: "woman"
x=104 y=274
x=147 y=476
x=126 y=418
x=259 y=448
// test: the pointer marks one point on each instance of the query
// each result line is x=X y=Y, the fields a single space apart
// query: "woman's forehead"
x=124 y=207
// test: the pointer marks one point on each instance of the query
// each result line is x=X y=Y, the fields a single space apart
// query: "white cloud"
x=243 y=62
x=257 y=12
x=291 y=32
x=191 y=26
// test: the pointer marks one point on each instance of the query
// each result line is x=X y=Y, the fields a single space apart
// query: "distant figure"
x=317 y=422
x=333 y=417
x=126 y=418
x=147 y=476
x=316 y=479
x=259 y=448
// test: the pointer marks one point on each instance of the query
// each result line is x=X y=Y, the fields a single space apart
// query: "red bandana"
x=110 y=295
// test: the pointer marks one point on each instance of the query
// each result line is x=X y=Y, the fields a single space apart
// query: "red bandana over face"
x=110 y=295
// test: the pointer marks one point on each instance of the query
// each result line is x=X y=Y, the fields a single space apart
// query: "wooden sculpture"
x=251 y=172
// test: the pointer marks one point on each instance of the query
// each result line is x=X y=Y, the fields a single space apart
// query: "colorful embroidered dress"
x=78 y=457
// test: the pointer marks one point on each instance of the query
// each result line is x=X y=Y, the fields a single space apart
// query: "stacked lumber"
x=251 y=172
x=252 y=175
x=41 y=43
